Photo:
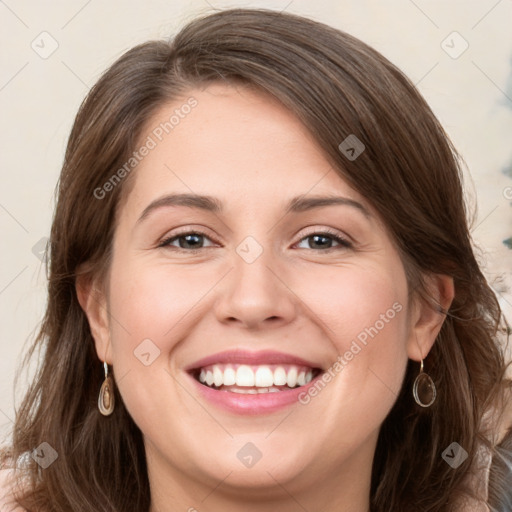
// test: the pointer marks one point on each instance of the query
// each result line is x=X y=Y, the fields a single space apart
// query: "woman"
x=262 y=290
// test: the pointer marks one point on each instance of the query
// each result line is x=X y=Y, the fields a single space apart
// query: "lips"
x=253 y=382
x=252 y=358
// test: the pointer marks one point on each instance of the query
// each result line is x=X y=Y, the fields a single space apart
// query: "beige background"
x=471 y=94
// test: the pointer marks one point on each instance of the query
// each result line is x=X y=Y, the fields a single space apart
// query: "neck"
x=342 y=489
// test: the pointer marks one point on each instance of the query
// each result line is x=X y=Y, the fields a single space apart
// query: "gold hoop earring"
x=424 y=389
x=106 y=400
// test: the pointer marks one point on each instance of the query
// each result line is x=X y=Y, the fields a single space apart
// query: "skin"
x=298 y=297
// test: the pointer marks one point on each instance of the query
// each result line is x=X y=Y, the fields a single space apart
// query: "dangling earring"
x=424 y=389
x=106 y=400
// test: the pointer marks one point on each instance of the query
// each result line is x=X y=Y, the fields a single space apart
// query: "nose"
x=255 y=294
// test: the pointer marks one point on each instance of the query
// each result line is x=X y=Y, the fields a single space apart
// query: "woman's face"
x=258 y=286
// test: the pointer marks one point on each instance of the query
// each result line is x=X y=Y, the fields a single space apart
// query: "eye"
x=191 y=240
x=324 y=241
x=194 y=240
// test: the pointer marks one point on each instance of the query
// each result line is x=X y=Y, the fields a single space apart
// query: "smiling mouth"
x=254 y=379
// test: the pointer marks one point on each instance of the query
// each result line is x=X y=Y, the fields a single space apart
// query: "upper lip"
x=260 y=357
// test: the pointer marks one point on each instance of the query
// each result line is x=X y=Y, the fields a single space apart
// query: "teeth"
x=260 y=379
x=229 y=376
x=252 y=391
x=280 y=376
x=264 y=377
x=218 y=377
x=291 y=378
x=244 y=376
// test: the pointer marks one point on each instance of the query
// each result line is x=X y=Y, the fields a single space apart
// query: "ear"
x=93 y=301
x=428 y=316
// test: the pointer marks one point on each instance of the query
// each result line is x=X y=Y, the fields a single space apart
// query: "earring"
x=106 y=400
x=424 y=389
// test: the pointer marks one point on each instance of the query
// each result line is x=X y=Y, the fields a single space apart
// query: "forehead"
x=235 y=143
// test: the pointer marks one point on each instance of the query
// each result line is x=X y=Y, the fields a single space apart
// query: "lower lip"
x=259 y=403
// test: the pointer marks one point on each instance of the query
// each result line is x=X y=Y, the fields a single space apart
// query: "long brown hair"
x=337 y=86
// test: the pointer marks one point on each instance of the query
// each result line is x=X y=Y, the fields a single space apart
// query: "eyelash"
x=343 y=242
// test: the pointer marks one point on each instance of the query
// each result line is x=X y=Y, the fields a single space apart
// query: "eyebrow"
x=212 y=204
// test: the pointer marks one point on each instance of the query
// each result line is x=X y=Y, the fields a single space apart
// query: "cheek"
x=155 y=302
x=357 y=303
x=364 y=314
x=152 y=307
